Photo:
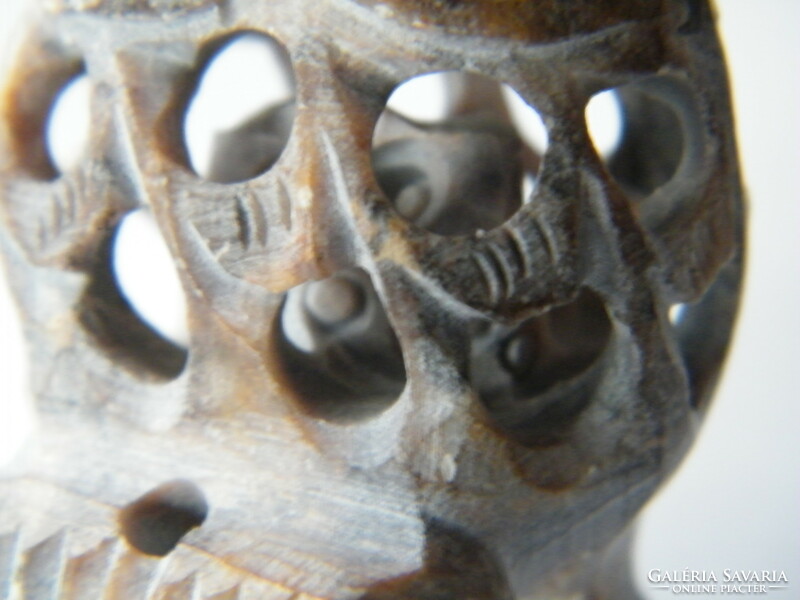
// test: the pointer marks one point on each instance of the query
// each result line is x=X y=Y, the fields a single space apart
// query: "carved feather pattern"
x=506 y=450
x=114 y=571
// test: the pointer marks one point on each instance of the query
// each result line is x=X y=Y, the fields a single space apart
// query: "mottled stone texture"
x=471 y=412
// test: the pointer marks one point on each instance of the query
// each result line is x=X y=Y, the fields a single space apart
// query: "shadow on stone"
x=457 y=566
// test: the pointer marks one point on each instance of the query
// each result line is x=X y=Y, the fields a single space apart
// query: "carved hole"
x=338 y=350
x=67 y=127
x=676 y=313
x=457 y=153
x=651 y=145
x=702 y=331
x=536 y=378
x=527 y=121
x=604 y=120
x=147 y=276
x=155 y=523
x=115 y=325
x=239 y=120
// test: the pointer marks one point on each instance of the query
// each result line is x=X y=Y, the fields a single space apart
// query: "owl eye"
x=535 y=379
x=338 y=350
x=457 y=153
x=335 y=301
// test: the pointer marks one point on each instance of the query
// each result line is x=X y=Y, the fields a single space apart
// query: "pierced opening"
x=147 y=276
x=155 y=523
x=338 y=350
x=703 y=329
x=457 y=153
x=650 y=145
x=239 y=119
x=676 y=313
x=536 y=378
x=137 y=342
x=67 y=126
x=605 y=122
x=424 y=99
x=527 y=121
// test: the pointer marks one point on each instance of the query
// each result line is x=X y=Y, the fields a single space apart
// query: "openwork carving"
x=426 y=359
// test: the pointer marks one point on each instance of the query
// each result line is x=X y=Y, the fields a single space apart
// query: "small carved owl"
x=426 y=359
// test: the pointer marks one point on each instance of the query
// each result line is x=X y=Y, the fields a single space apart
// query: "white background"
x=736 y=501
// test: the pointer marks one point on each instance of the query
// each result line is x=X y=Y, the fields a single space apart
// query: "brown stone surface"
x=493 y=406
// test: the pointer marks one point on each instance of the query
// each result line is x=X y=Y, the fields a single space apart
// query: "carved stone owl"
x=426 y=360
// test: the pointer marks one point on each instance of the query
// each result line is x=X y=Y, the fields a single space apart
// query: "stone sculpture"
x=403 y=379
